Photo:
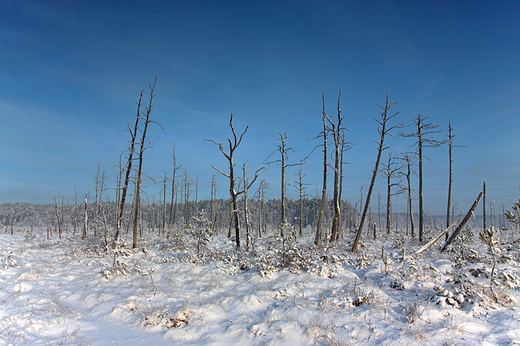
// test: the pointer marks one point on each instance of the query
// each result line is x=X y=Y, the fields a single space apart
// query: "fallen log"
x=459 y=228
x=427 y=246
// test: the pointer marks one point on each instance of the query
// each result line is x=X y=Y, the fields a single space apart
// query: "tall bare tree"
x=142 y=148
x=408 y=162
x=213 y=194
x=339 y=148
x=174 y=177
x=261 y=207
x=245 y=188
x=300 y=187
x=284 y=150
x=390 y=170
x=325 y=163
x=233 y=144
x=383 y=129
x=450 y=180
x=422 y=133
x=131 y=151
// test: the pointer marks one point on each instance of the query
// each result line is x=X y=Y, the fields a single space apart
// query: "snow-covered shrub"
x=9 y=260
x=163 y=318
x=201 y=231
x=514 y=215
x=118 y=249
x=266 y=266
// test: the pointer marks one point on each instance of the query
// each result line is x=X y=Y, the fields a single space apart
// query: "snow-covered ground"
x=73 y=292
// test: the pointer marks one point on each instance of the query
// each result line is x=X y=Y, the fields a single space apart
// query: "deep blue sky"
x=72 y=71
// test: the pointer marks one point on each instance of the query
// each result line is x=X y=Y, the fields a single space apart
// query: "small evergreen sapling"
x=514 y=216
x=490 y=238
x=202 y=232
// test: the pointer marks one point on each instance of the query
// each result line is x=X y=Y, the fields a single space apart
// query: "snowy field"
x=75 y=292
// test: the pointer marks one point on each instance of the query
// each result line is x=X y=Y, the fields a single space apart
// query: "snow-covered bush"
x=9 y=261
x=201 y=231
x=119 y=249
x=514 y=215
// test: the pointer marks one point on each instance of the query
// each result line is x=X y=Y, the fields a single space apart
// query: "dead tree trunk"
x=450 y=179
x=463 y=222
x=283 y=150
x=383 y=131
x=57 y=211
x=233 y=144
x=390 y=171
x=174 y=176
x=409 y=162
x=142 y=148
x=337 y=130
x=85 y=218
x=131 y=151
x=300 y=187
x=324 y=188
x=484 y=206
x=423 y=130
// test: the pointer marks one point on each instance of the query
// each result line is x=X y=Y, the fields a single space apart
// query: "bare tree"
x=383 y=131
x=325 y=163
x=450 y=179
x=174 y=176
x=408 y=163
x=142 y=148
x=484 y=205
x=283 y=149
x=423 y=130
x=213 y=194
x=131 y=151
x=245 y=188
x=164 y=204
x=97 y=182
x=339 y=148
x=57 y=211
x=233 y=144
x=300 y=187
x=186 y=193
x=261 y=207
x=85 y=217
x=390 y=170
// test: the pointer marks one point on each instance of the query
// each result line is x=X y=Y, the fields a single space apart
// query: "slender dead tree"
x=246 y=185
x=390 y=170
x=96 y=177
x=85 y=217
x=283 y=149
x=164 y=204
x=383 y=129
x=142 y=148
x=213 y=194
x=300 y=186
x=57 y=211
x=339 y=148
x=131 y=151
x=261 y=207
x=423 y=130
x=186 y=193
x=325 y=163
x=450 y=173
x=233 y=144
x=174 y=177
x=484 y=206
x=408 y=163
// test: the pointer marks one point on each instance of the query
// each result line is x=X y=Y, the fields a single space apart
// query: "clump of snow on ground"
x=82 y=292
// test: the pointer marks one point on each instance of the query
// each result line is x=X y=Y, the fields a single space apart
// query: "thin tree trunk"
x=324 y=189
x=383 y=131
x=128 y=167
